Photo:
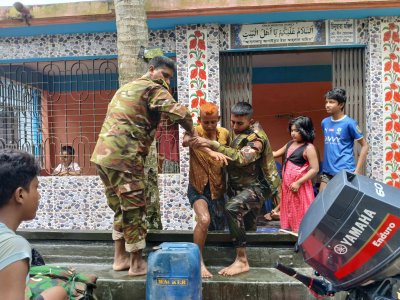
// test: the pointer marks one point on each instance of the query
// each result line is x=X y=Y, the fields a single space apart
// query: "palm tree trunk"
x=132 y=33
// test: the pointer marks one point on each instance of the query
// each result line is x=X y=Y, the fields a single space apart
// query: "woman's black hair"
x=305 y=127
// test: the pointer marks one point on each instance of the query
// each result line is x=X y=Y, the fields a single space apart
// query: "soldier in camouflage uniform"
x=120 y=153
x=252 y=177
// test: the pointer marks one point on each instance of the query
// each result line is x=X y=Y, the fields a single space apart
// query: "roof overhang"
x=98 y=16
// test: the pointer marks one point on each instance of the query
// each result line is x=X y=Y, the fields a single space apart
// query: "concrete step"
x=102 y=253
x=257 y=284
x=93 y=252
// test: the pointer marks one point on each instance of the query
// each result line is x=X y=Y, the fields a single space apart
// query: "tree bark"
x=132 y=33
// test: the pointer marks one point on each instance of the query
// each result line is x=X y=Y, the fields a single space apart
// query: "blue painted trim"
x=86 y=82
x=66 y=83
x=30 y=76
x=292 y=74
x=85 y=27
x=39 y=59
x=91 y=82
x=170 y=54
x=170 y=23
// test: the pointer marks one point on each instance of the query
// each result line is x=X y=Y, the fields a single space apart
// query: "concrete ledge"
x=94 y=252
x=258 y=284
x=78 y=235
x=157 y=236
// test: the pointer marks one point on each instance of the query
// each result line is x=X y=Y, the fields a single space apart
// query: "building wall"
x=380 y=35
x=58 y=46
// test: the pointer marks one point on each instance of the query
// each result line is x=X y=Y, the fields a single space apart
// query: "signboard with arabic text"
x=278 y=34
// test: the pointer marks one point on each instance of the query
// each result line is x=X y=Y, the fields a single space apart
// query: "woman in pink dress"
x=299 y=167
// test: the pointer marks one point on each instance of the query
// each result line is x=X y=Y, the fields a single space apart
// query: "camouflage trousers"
x=241 y=211
x=126 y=196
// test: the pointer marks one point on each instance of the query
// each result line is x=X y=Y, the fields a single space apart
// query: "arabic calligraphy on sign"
x=278 y=34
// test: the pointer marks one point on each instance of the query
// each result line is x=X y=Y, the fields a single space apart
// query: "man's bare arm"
x=363 y=155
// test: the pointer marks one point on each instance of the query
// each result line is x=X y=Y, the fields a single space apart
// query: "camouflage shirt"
x=252 y=160
x=131 y=121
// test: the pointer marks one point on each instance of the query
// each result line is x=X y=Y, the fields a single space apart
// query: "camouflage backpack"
x=79 y=286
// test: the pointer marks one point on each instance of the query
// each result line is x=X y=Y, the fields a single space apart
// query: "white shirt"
x=73 y=166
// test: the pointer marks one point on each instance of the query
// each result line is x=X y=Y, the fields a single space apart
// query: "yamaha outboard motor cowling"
x=350 y=234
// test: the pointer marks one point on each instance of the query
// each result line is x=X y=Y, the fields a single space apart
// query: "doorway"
x=284 y=84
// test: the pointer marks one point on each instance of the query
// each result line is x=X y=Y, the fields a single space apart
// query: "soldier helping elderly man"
x=123 y=144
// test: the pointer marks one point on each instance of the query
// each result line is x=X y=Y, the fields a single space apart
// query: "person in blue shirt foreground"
x=340 y=132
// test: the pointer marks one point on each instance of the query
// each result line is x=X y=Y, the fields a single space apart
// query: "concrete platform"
x=257 y=284
x=93 y=252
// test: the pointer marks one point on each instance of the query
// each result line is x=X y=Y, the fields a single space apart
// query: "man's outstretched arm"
x=242 y=157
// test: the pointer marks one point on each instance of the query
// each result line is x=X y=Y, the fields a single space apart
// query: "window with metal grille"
x=45 y=106
x=20 y=123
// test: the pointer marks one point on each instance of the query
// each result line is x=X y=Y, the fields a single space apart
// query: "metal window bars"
x=47 y=105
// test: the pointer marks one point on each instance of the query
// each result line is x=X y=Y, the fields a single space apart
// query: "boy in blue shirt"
x=340 y=132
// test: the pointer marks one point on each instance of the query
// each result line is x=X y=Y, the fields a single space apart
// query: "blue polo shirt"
x=339 y=137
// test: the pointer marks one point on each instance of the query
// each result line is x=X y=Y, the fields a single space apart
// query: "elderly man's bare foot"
x=204 y=272
x=122 y=263
x=236 y=268
x=138 y=269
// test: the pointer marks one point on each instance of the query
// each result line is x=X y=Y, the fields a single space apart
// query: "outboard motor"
x=350 y=236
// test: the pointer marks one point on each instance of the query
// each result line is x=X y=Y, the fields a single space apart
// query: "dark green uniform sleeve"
x=241 y=157
x=162 y=101
x=270 y=171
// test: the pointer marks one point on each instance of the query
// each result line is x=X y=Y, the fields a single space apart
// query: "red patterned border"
x=391 y=82
x=197 y=71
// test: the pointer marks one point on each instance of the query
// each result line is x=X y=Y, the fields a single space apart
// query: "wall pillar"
x=390 y=47
x=197 y=55
x=374 y=104
x=383 y=99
